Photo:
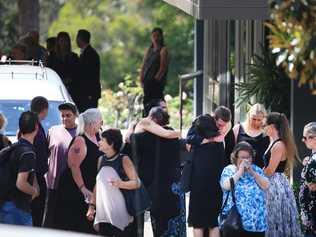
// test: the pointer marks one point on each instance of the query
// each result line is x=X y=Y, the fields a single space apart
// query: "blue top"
x=250 y=199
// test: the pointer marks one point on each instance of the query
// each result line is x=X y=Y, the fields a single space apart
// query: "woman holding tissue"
x=250 y=183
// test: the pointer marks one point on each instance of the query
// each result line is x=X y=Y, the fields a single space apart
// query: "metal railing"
x=5 y=60
x=183 y=79
x=32 y=62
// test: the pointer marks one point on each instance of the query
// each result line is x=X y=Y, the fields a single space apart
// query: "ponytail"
x=287 y=137
x=281 y=124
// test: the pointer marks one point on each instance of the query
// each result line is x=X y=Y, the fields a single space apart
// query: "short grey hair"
x=87 y=118
x=310 y=128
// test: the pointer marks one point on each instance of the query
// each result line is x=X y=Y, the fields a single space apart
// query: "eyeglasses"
x=307 y=138
x=245 y=157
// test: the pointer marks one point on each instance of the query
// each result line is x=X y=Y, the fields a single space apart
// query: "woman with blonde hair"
x=251 y=131
x=281 y=206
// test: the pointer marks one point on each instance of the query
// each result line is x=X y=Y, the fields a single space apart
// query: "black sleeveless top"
x=116 y=164
x=152 y=66
x=88 y=166
x=259 y=143
x=267 y=157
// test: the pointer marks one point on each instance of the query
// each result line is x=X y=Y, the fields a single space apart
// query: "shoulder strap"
x=134 y=152
x=277 y=140
x=232 y=191
x=232 y=188
x=99 y=162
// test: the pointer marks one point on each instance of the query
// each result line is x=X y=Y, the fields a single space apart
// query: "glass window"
x=13 y=108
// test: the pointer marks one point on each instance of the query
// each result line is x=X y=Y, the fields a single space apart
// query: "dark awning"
x=223 y=9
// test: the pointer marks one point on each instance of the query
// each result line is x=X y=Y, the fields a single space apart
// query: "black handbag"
x=231 y=225
x=137 y=200
x=186 y=179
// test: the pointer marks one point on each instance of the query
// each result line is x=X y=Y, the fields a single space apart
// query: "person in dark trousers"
x=87 y=87
x=153 y=74
x=59 y=138
x=16 y=209
x=39 y=105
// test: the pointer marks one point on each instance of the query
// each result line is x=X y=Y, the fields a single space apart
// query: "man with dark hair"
x=59 y=137
x=39 y=105
x=16 y=208
x=87 y=88
x=222 y=116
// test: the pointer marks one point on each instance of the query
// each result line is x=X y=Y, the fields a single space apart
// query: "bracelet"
x=92 y=205
x=81 y=186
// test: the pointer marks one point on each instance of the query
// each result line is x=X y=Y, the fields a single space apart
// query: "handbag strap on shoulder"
x=232 y=188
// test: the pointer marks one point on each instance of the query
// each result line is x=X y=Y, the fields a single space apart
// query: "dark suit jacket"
x=89 y=78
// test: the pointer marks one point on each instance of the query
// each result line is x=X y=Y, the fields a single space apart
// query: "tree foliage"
x=9 y=25
x=267 y=83
x=293 y=38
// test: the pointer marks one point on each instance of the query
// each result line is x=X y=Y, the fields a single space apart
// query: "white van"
x=19 y=84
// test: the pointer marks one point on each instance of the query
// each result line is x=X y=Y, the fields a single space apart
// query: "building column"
x=198 y=65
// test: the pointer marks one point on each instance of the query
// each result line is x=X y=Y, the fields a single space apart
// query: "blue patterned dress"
x=250 y=199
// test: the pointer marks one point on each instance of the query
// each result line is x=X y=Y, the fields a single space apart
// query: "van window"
x=13 y=108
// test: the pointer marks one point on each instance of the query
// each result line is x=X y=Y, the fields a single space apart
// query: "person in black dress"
x=206 y=138
x=77 y=182
x=251 y=131
x=64 y=61
x=157 y=158
x=154 y=70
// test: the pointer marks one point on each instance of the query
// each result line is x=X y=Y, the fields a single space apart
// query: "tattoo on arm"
x=77 y=150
